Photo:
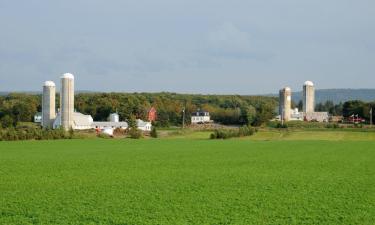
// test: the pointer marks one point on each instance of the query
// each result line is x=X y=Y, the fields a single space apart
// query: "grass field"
x=187 y=181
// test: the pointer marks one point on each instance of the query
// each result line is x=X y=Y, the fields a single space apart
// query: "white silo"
x=308 y=97
x=285 y=105
x=67 y=100
x=48 y=104
x=114 y=117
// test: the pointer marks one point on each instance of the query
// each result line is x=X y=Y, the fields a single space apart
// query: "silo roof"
x=67 y=76
x=49 y=83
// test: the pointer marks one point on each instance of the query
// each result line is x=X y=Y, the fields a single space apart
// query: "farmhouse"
x=200 y=116
x=144 y=125
x=38 y=117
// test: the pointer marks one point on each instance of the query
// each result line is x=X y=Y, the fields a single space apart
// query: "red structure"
x=355 y=119
x=152 y=114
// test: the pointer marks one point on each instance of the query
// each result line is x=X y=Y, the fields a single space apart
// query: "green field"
x=188 y=181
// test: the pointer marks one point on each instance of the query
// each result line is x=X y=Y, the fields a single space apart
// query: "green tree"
x=7 y=121
x=154 y=133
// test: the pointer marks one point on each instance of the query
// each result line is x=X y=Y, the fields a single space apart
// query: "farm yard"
x=269 y=178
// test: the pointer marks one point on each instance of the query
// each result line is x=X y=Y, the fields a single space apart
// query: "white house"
x=38 y=117
x=200 y=117
x=144 y=125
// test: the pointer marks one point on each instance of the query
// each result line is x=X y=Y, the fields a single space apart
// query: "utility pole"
x=183 y=118
x=371 y=117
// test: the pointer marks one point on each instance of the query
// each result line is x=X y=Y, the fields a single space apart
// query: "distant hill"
x=321 y=95
x=339 y=95
x=3 y=93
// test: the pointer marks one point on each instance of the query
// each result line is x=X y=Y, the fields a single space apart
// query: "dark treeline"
x=226 y=109
x=360 y=108
x=347 y=109
x=17 y=107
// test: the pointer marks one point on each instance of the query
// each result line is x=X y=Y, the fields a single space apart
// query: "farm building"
x=308 y=113
x=80 y=121
x=152 y=114
x=109 y=124
x=67 y=118
x=200 y=117
x=144 y=125
x=316 y=116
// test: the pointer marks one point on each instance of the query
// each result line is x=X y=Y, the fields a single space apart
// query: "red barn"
x=152 y=114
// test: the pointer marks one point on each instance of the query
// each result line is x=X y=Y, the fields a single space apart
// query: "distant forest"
x=339 y=95
x=225 y=109
x=321 y=95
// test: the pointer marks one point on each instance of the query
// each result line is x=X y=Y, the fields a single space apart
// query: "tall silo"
x=308 y=97
x=67 y=100
x=48 y=104
x=285 y=105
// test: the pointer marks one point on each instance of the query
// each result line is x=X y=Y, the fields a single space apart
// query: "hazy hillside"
x=322 y=95
x=339 y=95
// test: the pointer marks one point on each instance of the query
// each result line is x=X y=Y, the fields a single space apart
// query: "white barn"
x=80 y=121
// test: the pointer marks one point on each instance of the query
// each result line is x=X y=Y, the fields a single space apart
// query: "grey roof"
x=141 y=123
x=200 y=113
x=109 y=124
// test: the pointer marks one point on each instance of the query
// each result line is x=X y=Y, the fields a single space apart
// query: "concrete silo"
x=48 y=104
x=308 y=97
x=114 y=117
x=285 y=104
x=67 y=100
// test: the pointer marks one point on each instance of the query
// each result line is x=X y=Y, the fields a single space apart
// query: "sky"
x=188 y=46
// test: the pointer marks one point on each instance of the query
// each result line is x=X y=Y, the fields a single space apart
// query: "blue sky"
x=188 y=46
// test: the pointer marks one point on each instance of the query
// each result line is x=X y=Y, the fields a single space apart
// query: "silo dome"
x=288 y=89
x=49 y=84
x=309 y=83
x=67 y=76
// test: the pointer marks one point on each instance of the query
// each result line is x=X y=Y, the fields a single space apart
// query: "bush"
x=33 y=133
x=7 y=121
x=225 y=134
x=154 y=133
x=281 y=126
x=102 y=135
x=332 y=125
x=119 y=132
x=135 y=133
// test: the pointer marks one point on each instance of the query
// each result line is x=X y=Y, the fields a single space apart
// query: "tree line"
x=225 y=109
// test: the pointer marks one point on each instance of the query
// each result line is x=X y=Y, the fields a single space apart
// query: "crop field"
x=187 y=181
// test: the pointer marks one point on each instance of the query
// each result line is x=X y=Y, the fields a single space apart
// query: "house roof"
x=141 y=123
x=80 y=119
x=200 y=113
